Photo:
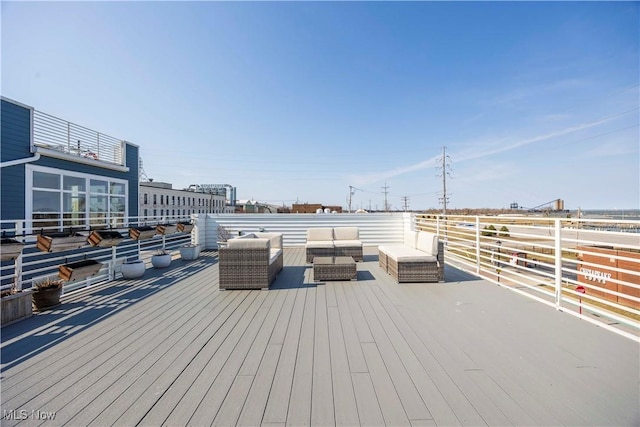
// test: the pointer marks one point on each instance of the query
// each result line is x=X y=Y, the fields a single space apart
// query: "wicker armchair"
x=250 y=262
x=419 y=259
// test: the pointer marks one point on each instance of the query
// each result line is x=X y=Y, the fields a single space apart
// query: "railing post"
x=558 y=263
x=478 y=245
x=112 y=268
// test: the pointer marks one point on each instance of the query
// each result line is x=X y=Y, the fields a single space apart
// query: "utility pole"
x=386 y=205
x=445 y=171
x=405 y=203
x=352 y=191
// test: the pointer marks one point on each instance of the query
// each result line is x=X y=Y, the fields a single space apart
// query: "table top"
x=333 y=260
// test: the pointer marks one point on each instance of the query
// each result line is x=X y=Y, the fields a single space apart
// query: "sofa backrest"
x=249 y=242
x=346 y=233
x=319 y=234
x=410 y=238
x=274 y=238
x=427 y=243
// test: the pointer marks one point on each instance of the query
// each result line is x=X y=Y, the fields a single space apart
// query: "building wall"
x=16 y=138
x=15 y=131
x=168 y=206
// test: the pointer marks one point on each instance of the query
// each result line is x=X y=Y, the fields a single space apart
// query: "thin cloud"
x=470 y=155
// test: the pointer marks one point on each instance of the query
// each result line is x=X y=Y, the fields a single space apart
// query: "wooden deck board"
x=172 y=349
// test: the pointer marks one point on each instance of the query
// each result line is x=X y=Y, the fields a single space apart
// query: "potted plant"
x=142 y=232
x=15 y=305
x=133 y=268
x=190 y=251
x=161 y=259
x=223 y=236
x=10 y=249
x=47 y=293
x=60 y=241
x=79 y=270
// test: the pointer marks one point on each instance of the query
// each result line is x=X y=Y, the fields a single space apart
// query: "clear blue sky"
x=297 y=101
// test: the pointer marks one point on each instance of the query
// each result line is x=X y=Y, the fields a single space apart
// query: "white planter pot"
x=161 y=261
x=190 y=252
x=133 y=269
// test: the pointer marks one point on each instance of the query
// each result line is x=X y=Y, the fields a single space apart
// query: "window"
x=146 y=199
x=155 y=199
x=68 y=199
x=162 y=199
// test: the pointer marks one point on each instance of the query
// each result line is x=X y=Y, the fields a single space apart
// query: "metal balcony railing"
x=61 y=136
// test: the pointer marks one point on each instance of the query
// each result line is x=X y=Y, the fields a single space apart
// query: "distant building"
x=160 y=200
x=253 y=206
x=314 y=207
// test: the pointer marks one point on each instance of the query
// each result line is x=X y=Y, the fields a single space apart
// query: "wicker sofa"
x=251 y=261
x=338 y=241
x=419 y=259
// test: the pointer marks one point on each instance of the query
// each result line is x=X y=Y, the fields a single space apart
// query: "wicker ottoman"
x=334 y=268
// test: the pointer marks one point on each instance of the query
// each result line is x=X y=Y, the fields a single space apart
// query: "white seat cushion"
x=249 y=243
x=427 y=243
x=274 y=254
x=326 y=244
x=347 y=243
x=405 y=254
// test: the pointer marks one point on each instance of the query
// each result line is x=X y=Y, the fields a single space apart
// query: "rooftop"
x=171 y=349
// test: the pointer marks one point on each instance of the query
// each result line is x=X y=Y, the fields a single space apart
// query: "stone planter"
x=16 y=307
x=58 y=242
x=189 y=252
x=79 y=270
x=133 y=269
x=105 y=238
x=161 y=261
x=10 y=249
x=46 y=298
x=142 y=232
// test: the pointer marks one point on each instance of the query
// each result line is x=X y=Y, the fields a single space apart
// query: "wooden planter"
x=142 y=233
x=58 y=242
x=105 y=238
x=10 y=249
x=44 y=299
x=185 y=227
x=166 y=228
x=79 y=270
x=16 y=307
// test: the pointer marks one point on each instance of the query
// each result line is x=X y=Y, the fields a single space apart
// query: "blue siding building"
x=58 y=175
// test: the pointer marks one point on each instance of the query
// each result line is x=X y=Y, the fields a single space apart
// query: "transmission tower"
x=385 y=189
x=142 y=175
x=405 y=203
x=445 y=168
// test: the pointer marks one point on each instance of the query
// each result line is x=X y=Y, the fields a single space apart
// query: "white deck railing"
x=589 y=268
x=52 y=133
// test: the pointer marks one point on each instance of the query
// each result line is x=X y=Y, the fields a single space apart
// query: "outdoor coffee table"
x=334 y=268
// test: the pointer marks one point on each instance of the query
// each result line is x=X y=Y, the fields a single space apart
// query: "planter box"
x=58 y=242
x=166 y=228
x=161 y=261
x=16 y=307
x=44 y=299
x=10 y=249
x=142 y=232
x=185 y=227
x=190 y=252
x=79 y=270
x=133 y=269
x=105 y=238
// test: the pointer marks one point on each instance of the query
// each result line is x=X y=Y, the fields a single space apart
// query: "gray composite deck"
x=171 y=349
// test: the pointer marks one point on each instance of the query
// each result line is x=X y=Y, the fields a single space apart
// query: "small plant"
x=223 y=234
x=504 y=231
x=50 y=282
x=161 y=252
x=489 y=231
